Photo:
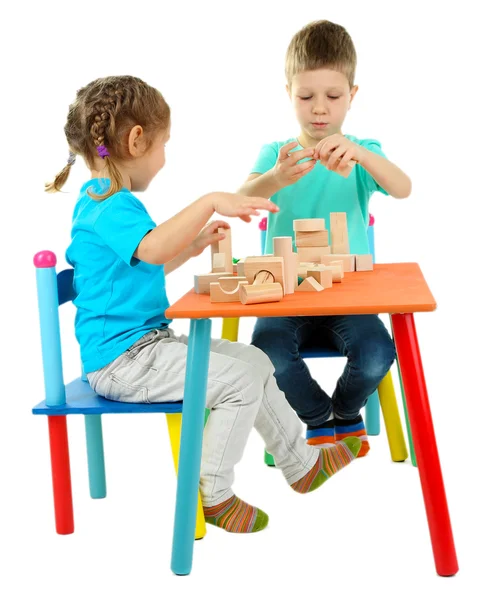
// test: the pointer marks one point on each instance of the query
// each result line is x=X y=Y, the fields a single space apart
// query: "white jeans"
x=242 y=393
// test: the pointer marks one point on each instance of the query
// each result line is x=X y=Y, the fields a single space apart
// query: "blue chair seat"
x=82 y=400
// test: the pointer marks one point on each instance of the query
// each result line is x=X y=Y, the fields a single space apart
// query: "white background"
x=422 y=76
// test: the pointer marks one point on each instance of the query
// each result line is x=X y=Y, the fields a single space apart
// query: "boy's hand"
x=335 y=151
x=208 y=236
x=236 y=205
x=287 y=170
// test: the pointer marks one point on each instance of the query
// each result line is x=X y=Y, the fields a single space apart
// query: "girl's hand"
x=335 y=151
x=287 y=170
x=208 y=236
x=235 y=205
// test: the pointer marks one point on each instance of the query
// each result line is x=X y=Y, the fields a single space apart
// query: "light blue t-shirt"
x=118 y=297
x=320 y=193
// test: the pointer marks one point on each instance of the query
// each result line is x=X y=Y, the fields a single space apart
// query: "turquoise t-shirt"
x=118 y=297
x=320 y=193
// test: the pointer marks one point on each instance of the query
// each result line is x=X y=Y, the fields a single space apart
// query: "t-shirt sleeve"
x=367 y=179
x=122 y=223
x=266 y=159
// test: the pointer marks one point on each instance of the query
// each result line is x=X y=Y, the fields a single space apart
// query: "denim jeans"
x=362 y=339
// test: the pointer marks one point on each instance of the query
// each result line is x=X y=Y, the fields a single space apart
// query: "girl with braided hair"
x=119 y=126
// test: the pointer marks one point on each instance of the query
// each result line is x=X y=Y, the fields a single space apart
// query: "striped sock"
x=321 y=435
x=348 y=427
x=329 y=462
x=236 y=516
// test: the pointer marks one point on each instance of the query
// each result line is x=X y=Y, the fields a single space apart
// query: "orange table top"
x=389 y=288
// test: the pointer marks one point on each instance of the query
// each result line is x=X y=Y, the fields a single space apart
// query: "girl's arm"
x=167 y=241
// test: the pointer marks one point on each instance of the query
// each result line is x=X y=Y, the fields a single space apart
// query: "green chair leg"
x=269 y=459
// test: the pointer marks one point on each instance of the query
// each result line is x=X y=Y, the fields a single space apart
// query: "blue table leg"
x=372 y=414
x=196 y=379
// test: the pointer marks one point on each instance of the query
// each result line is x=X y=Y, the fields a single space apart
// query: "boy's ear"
x=136 y=143
x=353 y=92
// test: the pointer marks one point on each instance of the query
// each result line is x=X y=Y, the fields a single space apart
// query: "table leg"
x=196 y=378
x=425 y=444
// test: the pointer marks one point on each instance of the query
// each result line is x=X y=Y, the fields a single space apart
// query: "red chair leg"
x=425 y=444
x=60 y=468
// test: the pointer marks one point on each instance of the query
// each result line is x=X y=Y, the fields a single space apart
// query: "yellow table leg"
x=174 y=423
x=394 y=431
x=230 y=329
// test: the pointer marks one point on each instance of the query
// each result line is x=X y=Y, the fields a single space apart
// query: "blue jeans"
x=362 y=339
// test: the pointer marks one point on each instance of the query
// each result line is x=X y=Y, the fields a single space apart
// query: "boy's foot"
x=329 y=462
x=321 y=435
x=236 y=516
x=352 y=427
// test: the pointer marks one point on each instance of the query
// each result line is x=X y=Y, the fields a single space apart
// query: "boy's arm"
x=390 y=177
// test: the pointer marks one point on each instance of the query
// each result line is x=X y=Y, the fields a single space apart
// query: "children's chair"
x=77 y=398
x=384 y=396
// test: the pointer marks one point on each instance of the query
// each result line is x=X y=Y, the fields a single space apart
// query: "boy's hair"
x=321 y=45
x=103 y=114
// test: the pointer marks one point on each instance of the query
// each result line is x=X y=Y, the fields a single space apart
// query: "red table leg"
x=425 y=444
x=60 y=468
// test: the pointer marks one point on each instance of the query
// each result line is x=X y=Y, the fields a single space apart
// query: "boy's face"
x=321 y=99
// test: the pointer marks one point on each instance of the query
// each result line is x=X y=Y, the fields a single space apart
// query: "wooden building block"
x=322 y=274
x=309 y=224
x=310 y=284
x=226 y=289
x=312 y=253
x=348 y=261
x=240 y=268
x=311 y=238
x=283 y=246
x=223 y=247
x=337 y=272
x=339 y=233
x=263 y=277
x=202 y=282
x=256 y=294
x=272 y=264
x=219 y=262
x=303 y=268
x=364 y=262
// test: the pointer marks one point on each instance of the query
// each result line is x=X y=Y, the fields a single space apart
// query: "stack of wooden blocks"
x=316 y=265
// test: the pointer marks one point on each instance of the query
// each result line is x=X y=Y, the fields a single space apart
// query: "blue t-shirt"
x=118 y=297
x=320 y=193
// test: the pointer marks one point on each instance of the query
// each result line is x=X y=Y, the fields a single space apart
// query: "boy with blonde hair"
x=301 y=176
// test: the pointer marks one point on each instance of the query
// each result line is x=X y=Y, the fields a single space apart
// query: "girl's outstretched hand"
x=243 y=207
x=208 y=236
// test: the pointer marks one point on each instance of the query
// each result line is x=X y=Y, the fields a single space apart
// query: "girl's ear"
x=136 y=143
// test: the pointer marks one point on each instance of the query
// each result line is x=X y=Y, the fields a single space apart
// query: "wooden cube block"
x=310 y=284
x=322 y=274
x=348 y=261
x=311 y=238
x=309 y=224
x=337 y=272
x=364 y=262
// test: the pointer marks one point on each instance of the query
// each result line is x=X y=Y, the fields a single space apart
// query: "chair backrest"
x=53 y=290
x=370 y=232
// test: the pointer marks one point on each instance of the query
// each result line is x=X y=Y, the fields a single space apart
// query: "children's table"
x=396 y=289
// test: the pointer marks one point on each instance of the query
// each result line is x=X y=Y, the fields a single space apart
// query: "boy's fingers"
x=294 y=157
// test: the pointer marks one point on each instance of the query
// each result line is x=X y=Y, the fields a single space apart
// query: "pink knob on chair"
x=263 y=224
x=45 y=259
x=371 y=220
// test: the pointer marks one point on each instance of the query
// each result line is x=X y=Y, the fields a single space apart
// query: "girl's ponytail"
x=62 y=176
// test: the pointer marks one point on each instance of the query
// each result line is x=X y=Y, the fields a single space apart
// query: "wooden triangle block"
x=310 y=284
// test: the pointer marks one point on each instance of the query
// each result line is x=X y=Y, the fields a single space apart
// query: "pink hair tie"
x=102 y=151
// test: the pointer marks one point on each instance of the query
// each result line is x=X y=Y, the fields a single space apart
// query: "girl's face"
x=145 y=167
